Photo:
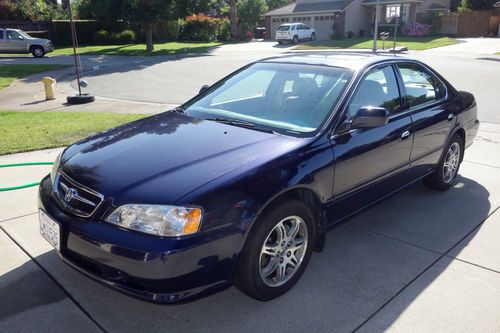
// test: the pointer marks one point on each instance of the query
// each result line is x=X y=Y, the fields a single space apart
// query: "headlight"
x=158 y=220
x=55 y=168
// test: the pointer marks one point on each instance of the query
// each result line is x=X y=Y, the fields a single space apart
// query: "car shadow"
x=367 y=261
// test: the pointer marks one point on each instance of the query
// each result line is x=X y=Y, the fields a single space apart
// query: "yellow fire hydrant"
x=49 y=84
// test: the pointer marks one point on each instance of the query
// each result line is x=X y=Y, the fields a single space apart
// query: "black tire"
x=313 y=36
x=80 y=99
x=295 y=39
x=37 y=51
x=439 y=179
x=248 y=274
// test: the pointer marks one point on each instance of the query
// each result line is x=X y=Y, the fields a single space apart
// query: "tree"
x=250 y=12
x=273 y=4
x=147 y=12
x=477 y=4
x=233 y=17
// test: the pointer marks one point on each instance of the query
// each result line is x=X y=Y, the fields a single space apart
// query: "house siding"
x=355 y=18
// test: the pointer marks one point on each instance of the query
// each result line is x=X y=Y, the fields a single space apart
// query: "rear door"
x=432 y=114
x=371 y=163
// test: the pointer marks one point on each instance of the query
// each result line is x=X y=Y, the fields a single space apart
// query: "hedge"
x=85 y=30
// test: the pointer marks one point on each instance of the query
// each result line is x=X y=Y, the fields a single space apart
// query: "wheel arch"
x=307 y=196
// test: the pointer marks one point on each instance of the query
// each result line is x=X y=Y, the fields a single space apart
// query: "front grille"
x=74 y=197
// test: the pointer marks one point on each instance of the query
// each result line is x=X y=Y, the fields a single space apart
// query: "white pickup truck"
x=17 y=41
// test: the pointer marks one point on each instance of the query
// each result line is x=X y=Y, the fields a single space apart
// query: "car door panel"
x=371 y=163
x=431 y=130
x=432 y=115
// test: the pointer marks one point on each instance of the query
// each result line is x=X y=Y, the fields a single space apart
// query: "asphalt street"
x=471 y=66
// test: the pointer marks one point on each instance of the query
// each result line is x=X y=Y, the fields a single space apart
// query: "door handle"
x=405 y=135
x=451 y=116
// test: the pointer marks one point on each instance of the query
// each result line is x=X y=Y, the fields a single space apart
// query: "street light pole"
x=375 y=29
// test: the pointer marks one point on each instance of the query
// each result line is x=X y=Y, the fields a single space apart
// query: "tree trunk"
x=233 y=18
x=148 y=29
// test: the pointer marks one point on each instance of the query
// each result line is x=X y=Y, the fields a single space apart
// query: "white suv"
x=293 y=32
x=17 y=41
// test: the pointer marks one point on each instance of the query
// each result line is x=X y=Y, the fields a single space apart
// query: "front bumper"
x=49 y=48
x=160 y=270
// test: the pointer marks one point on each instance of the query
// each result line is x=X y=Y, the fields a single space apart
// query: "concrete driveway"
x=421 y=261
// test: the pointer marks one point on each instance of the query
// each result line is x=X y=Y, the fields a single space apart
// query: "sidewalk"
x=421 y=261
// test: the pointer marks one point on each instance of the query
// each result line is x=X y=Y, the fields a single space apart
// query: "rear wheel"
x=295 y=39
x=280 y=42
x=447 y=170
x=277 y=251
x=37 y=51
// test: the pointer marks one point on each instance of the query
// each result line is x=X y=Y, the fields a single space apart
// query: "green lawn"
x=27 y=131
x=9 y=73
x=140 y=49
x=413 y=43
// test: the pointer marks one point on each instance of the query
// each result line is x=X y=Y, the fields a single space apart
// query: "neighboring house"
x=338 y=17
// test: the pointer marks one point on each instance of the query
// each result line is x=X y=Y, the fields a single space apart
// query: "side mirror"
x=203 y=88
x=370 y=117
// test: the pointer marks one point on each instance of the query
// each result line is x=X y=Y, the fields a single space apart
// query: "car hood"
x=161 y=158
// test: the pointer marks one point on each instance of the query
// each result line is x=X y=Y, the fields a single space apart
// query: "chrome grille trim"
x=63 y=184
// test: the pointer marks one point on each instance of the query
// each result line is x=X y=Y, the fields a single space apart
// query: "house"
x=343 y=17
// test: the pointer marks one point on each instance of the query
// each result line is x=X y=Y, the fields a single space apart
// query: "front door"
x=15 y=42
x=371 y=163
x=432 y=115
x=2 y=40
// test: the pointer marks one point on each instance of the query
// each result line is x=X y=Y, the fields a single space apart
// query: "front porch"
x=406 y=10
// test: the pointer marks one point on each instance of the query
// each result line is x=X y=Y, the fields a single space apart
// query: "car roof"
x=354 y=60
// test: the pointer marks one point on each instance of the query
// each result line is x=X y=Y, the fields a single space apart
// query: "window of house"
x=393 y=11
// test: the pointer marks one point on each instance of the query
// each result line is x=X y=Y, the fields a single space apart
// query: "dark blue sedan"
x=240 y=184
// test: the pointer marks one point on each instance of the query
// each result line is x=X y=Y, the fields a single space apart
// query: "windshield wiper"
x=241 y=123
x=179 y=109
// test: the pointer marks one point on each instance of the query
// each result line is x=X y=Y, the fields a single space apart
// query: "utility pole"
x=375 y=28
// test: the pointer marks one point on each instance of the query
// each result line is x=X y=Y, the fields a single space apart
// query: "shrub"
x=124 y=37
x=204 y=28
x=85 y=31
x=167 y=30
x=224 y=33
x=102 y=37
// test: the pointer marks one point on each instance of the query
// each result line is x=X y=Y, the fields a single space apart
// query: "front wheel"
x=37 y=51
x=277 y=252
x=313 y=36
x=447 y=170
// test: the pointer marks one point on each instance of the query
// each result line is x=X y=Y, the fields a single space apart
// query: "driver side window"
x=378 y=88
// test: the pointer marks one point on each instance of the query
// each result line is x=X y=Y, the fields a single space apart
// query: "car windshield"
x=25 y=35
x=284 y=28
x=286 y=98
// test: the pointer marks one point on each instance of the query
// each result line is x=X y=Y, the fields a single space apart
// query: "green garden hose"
x=12 y=188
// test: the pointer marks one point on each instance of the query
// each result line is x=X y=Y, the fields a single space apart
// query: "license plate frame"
x=50 y=229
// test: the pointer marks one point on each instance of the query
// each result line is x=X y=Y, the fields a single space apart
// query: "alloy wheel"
x=283 y=251
x=451 y=162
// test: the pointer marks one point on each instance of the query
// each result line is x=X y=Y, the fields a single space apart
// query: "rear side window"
x=421 y=86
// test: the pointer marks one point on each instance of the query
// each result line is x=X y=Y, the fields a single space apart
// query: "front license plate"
x=49 y=229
